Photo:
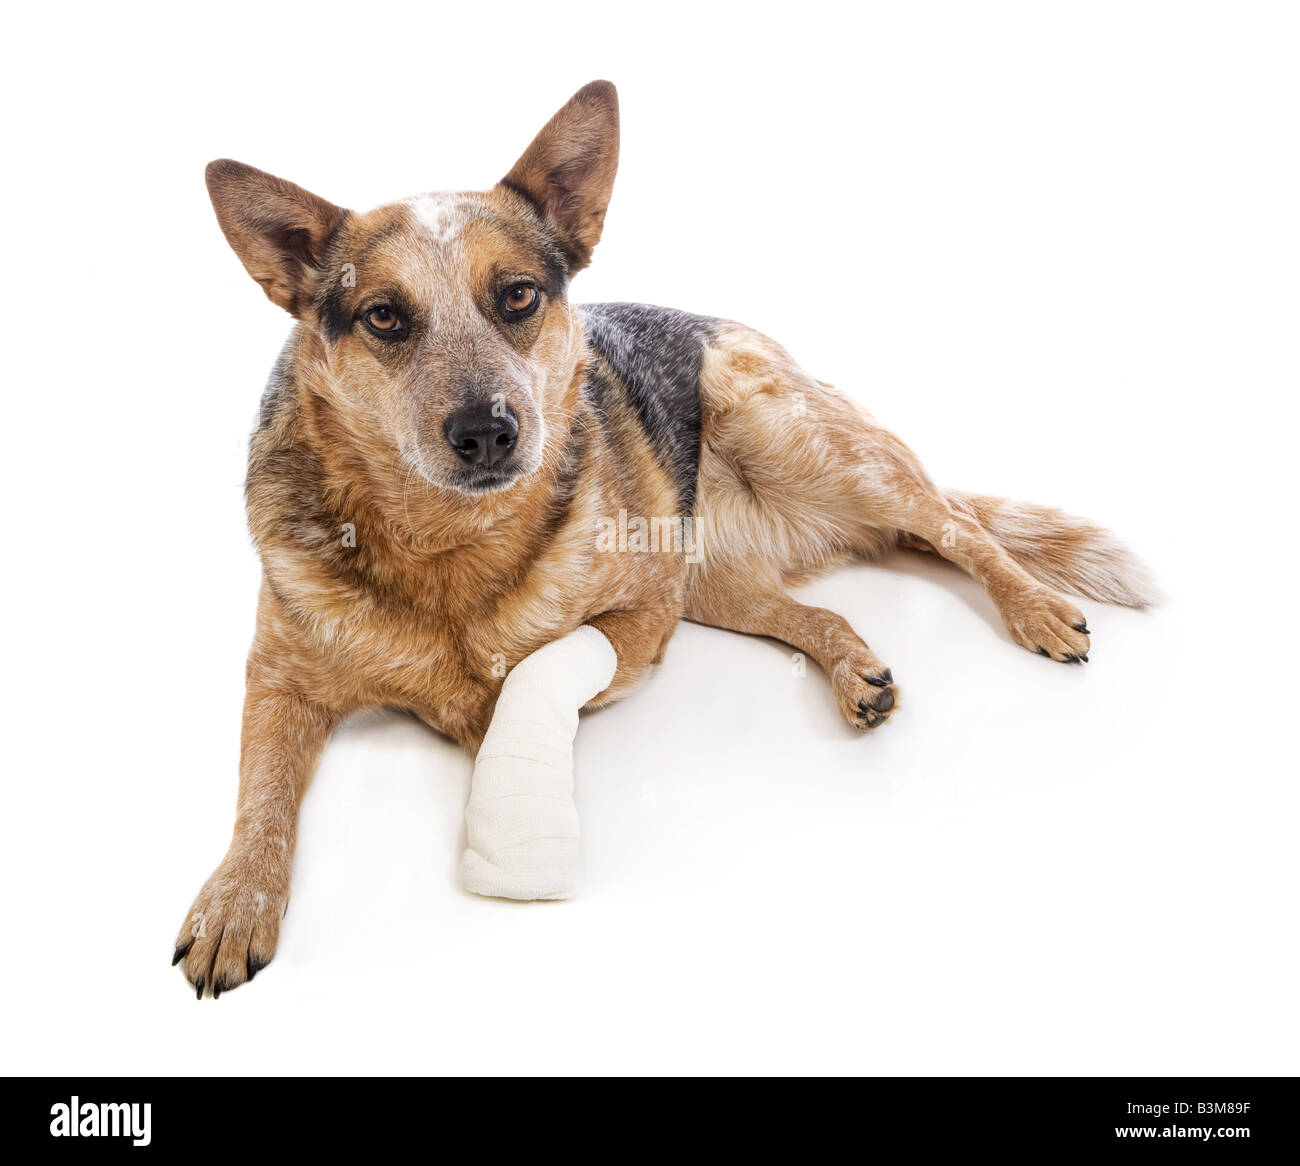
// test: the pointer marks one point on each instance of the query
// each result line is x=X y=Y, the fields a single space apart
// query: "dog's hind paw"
x=1049 y=625
x=864 y=690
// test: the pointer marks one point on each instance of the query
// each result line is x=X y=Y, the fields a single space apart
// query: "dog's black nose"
x=482 y=435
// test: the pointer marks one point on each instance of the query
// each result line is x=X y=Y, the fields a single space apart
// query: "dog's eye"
x=383 y=321
x=519 y=300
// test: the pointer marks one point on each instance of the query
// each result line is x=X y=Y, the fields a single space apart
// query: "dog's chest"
x=439 y=636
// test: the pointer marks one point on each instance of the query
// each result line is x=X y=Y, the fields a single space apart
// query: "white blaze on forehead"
x=440 y=214
x=436 y=274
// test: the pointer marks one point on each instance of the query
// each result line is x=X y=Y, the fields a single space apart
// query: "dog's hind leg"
x=747 y=596
x=1036 y=616
x=796 y=474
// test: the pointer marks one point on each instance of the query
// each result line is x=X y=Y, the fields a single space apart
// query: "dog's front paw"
x=231 y=930
x=1043 y=622
x=543 y=868
x=864 y=690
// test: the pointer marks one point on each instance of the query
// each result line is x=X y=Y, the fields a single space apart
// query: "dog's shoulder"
x=279 y=404
x=651 y=357
x=285 y=488
x=279 y=385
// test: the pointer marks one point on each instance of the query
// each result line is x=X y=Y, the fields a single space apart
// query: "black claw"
x=255 y=966
x=179 y=954
x=217 y=989
x=198 y=990
x=1044 y=652
x=1083 y=657
x=1082 y=627
x=884 y=678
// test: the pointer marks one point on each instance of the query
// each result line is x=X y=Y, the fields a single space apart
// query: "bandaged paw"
x=521 y=823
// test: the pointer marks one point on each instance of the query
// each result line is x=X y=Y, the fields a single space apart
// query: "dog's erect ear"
x=568 y=171
x=277 y=229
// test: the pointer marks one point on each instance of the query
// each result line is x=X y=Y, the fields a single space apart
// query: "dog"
x=455 y=468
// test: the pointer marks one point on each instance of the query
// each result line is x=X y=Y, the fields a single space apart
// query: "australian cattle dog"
x=482 y=503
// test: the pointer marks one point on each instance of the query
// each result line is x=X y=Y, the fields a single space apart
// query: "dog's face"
x=445 y=319
x=454 y=334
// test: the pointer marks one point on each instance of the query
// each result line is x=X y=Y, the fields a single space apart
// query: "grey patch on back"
x=657 y=352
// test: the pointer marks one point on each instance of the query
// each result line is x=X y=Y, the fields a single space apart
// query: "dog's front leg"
x=521 y=823
x=231 y=930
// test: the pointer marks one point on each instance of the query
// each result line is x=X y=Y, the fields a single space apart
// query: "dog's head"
x=444 y=318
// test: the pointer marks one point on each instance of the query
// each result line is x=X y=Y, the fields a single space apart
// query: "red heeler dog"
x=479 y=502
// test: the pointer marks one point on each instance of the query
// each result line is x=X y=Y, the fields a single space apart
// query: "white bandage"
x=521 y=824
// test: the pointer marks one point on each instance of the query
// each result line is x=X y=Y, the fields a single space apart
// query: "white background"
x=1055 y=247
